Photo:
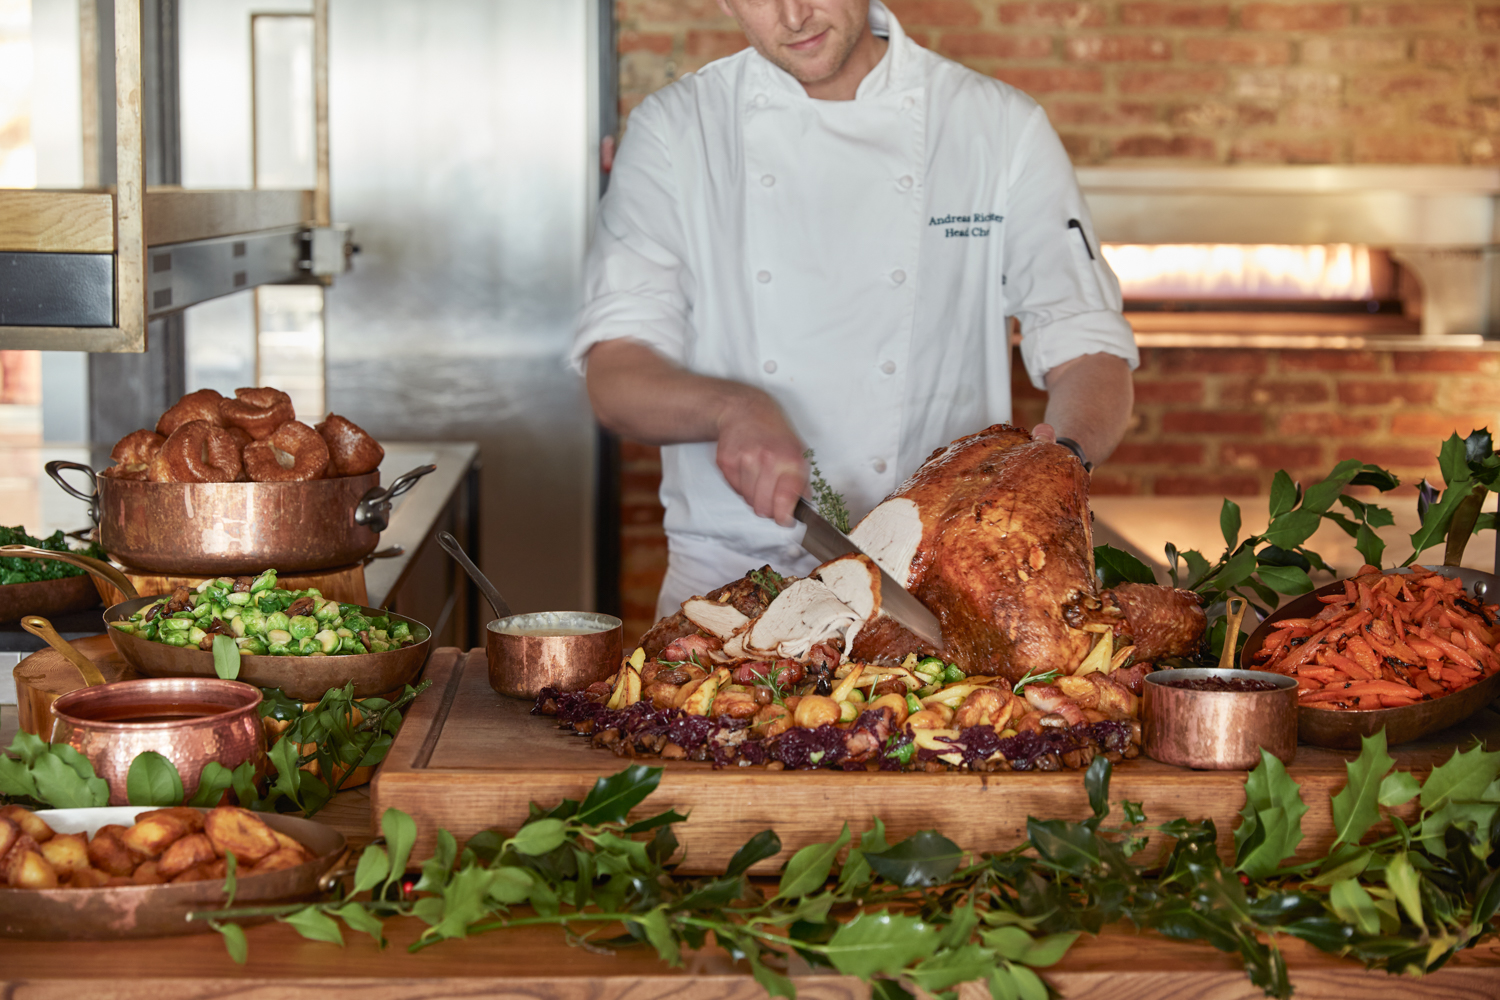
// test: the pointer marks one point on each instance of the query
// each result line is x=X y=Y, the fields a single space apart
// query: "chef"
x=816 y=243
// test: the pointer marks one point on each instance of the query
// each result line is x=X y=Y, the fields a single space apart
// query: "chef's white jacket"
x=854 y=259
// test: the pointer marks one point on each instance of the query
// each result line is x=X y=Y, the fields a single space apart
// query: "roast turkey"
x=993 y=534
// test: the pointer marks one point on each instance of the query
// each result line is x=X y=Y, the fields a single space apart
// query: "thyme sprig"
x=926 y=913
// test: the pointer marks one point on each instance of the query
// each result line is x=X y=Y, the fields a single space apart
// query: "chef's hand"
x=761 y=457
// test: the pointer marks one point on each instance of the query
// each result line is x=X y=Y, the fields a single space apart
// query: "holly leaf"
x=925 y=858
x=1048 y=951
x=59 y=785
x=1453 y=460
x=1355 y=807
x=1369 y=545
x=1406 y=882
x=1398 y=788
x=374 y=868
x=612 y=798
x=950 y=967
x=773 y=982
x=234 y=941
x=1353 y=905
x=1293 y=528
x=1197 y=567
x=1373 y=475
x=1229 y=523
x=1096 y=783
x=1115 y=566
x=226 y=658
x=1465 y=775
x=315 y=925
x=1272 y=826
x=659 y=933
x=758 y=848
x=875 y=944
x=360 y=919
x=1235 y=572
x=1283 y=494
x=1286 y=579
x=808 y=869
x=400 y=832
x=1321 y=495
x=541 y=836
x=213 y=781
x=1438 y=517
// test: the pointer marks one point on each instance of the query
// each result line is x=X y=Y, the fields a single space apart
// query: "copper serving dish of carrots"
x=1388 y=649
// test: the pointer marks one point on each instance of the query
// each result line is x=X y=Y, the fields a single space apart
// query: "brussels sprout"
x=400 y=630
x=264 y=582
x=252 y=646
x=328 y=640
x=277 y=621
x=237 y=626
x=280 y=649
x=308 y=645
x=302 y=626
x=278 y=637
x=176 y=639
x=195 y=635
x=241 y=598
x=327 y=611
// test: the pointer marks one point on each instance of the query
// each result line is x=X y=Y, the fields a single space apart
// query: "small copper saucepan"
x=190 y=721
x=1219 y=730
x=567 y=650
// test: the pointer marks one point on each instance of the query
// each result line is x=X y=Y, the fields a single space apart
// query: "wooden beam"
x=56 y=221
x=322 y=211
x=177 y=216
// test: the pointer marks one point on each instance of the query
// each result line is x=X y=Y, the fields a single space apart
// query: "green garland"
x=926 y=913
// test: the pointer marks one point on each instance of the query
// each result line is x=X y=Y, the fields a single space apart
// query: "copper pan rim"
x=248 y=695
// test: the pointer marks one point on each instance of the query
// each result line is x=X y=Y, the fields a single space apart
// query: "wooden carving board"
x=346 y=585
x=468 y=759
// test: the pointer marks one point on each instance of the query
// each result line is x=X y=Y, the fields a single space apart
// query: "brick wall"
x=1223 y=82
x=1126 y=81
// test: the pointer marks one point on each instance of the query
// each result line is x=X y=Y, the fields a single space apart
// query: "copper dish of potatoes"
x=129 y=872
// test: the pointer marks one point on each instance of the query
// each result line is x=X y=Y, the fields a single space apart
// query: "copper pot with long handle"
x=229 y=529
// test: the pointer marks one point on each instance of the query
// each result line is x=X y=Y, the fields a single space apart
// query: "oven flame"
x=1337 y=271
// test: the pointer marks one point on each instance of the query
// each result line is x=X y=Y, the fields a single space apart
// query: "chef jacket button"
x=770 y=367
x=896 y=276
x=763 y=277
x=768 y=181
x=908 y=103
x=878 y=465
x=761 y=100
x=889 y=367
x=905 y=182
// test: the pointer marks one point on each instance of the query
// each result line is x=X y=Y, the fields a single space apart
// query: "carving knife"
x=826 y=542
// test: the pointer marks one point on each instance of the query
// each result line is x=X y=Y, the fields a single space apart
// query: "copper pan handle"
x=42 y=629
x=56 y=469
x=374 y=509
x=1234 y=610
x=98 y=567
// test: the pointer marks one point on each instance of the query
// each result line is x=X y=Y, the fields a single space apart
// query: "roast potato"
x=30 y=823
x=107 y=854
x=67 y=853
x=148 y=838
x=241 y=832
x=191 y=851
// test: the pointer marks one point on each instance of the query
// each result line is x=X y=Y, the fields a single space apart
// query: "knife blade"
x=826 y=542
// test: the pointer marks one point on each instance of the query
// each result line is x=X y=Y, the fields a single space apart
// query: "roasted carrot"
x=1354 y=670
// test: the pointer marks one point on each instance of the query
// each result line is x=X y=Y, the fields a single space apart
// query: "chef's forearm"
x=1089 y=400
x=641 y=395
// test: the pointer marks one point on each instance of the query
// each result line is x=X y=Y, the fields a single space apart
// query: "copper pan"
x=231 y=529
x=1219 y=730
x=1343 y=730
x=231 y=736
x=304 y=678
x=583 y=646
x=53 y=597
x=145 y=911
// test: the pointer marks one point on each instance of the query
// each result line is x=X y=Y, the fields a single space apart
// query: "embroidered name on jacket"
x=975 y=224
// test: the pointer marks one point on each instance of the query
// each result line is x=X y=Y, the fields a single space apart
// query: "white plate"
x=89 y=820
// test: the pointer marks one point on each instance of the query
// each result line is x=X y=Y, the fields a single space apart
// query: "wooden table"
x=536 y=962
